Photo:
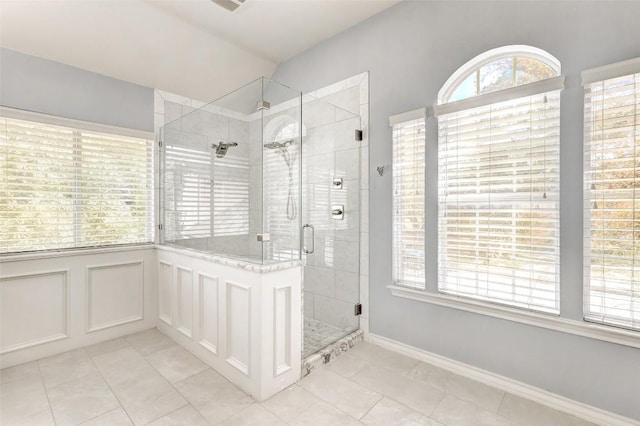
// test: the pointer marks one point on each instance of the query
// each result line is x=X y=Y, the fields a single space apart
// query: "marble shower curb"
x=334 y=350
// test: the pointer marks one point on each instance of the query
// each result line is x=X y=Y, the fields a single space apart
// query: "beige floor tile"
x=106 y=347
x=80 y=400
x=390 y=413
x=150 y=406
x=253 y=415
x=347 y=364
x=176 y=363
x=433 y=376
x=380 y=357
x=124 y=365
x=21 y=400
x=149 y=341
x=344 y=394
x=323 y=414
x=185 y=416
x=456 y=412
x=66 y=367
x=147 y=396
x=482 y=395
x=40 y=418
x=202 y=387
x=227 y=402
x=525 y=412
x=28 y=371
x=416 y=395
x=290 y=402
x=116 y=417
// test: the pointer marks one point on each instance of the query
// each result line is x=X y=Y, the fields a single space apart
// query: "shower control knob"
x=337 y=212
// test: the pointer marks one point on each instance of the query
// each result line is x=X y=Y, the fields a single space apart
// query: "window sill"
x=551 y=322
x=4 y=258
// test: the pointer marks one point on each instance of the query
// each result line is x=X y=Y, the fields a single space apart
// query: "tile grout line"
x=172 y=384
x=167 y=380
x=275 y=414
x=45 y=392
x=500 y=405
x=382 y=396
x=110 y=388
x=333 y=405
x=403 y=375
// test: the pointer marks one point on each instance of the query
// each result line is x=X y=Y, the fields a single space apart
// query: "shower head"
x=222 y=147
x=278 y=145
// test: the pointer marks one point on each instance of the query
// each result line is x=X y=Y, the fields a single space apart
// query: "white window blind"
x=231 y=196
x=408 y=199
x=612 y=199
x=188 y=191
x=66 y=187
x=498 y=193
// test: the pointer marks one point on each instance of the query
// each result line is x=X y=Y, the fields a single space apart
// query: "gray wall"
x=40 y=85
x=410 y=51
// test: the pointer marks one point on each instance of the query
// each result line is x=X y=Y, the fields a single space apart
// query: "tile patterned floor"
x=146 y=379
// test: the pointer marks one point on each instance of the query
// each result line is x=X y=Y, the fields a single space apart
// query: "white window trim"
x=84 y=251
x=415 y=114
x=606 y=72
x=547 y=85
x=547 y=321
x=20 y=114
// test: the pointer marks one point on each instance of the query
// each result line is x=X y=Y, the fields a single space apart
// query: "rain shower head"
x=278 y=145
x=222 y=147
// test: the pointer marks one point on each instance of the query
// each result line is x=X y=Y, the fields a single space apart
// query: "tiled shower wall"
x=336 y=275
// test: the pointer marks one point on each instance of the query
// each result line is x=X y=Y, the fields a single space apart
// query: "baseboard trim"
x=541 y=396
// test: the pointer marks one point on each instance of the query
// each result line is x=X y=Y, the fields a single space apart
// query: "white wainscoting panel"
x=115 y=294
x=281 y=329
x=165 y=291
x=238 y=326
x=184 y=320
x=34 y=309
x=57 y=301
x=209 y=311
x=243 y=322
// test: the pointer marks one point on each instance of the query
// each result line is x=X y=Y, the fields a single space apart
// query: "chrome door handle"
x=313 y=237
x=336 y=212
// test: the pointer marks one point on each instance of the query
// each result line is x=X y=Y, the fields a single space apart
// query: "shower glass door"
x=331 y=223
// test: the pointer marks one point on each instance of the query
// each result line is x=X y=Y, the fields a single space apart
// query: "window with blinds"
x=612 y=194
x=408 y=198
x=188 y=191
x=231 y=196
x=498 y=191
x=67 y=187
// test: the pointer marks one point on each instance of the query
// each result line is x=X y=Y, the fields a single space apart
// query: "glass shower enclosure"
x=230 y=176
x=263 y=175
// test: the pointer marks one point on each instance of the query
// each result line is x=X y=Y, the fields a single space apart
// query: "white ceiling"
x=191 y=47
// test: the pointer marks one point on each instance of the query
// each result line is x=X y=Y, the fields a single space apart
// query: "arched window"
x=498 y=179
x=499 y=69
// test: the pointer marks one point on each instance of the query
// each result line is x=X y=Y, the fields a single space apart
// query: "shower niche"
x=247 y=213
